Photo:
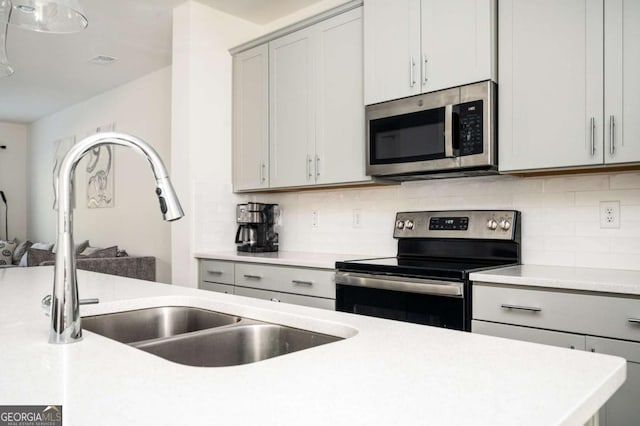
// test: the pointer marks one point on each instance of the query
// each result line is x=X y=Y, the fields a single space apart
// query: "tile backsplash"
x=560 y=216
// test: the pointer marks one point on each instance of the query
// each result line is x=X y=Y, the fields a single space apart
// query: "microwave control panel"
x=470 y=129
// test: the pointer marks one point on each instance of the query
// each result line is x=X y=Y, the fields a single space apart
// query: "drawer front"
x=307 y=282
x=534 y=335
x=220 y=288
x=314 y=302
x=217 y=271
x=586 y=313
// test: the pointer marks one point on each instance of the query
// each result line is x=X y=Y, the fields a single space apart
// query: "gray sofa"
x=142 y=268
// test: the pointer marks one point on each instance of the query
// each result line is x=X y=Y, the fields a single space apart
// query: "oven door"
x=421 y=301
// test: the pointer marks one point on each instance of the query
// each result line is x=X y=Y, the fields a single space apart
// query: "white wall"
x=201 y=131
x=13 y=179
x=142 y=108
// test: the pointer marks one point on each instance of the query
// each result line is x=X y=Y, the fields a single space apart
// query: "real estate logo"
x=30 y=415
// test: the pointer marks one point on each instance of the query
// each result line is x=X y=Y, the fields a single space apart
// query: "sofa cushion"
x=6 y=252
x=36 y=256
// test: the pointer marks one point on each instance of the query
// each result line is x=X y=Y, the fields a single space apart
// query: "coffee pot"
x=256 y=227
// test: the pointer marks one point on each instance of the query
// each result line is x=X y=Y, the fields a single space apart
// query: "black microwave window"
x=406 y=138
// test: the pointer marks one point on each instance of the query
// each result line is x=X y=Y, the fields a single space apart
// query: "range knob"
x=505 y=224
x=492 y=224
x=408 y=224
x=400 y=224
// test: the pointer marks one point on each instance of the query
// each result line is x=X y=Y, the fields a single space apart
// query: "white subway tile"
x=629 y=180
x=596 y=182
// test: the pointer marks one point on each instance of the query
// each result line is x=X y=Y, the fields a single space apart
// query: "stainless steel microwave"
x=447 y=133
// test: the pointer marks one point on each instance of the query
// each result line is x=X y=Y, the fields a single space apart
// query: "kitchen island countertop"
x=383 y=373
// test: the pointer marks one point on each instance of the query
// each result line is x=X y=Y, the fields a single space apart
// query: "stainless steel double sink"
x=203 y=338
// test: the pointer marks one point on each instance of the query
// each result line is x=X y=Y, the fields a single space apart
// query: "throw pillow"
x=20 y=251
x=79 y=247
x=43 y=246
x=6 y=252
x=93 y=252
x=36 y=256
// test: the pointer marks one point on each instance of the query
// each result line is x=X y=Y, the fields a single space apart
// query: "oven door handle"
x=409 y=285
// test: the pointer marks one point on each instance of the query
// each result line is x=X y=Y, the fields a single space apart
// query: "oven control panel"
x=480 y=224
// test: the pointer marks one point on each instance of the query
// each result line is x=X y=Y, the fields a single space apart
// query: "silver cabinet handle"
x=317 y=166
x=634 y=320
x=309 y=164
x=214 y=272
x=412 y=65
x=255 y=277
x=302 y=282
x=273 y=299
x=262 y=174
x=612 y=135
x=424 y=70
x=592 y=127
x=521 y=308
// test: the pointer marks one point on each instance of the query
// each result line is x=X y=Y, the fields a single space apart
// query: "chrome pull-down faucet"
x=65 y=311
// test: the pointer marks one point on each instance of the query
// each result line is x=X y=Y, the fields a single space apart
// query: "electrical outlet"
x=357 y=218
x=314 y=219
x=609 y=214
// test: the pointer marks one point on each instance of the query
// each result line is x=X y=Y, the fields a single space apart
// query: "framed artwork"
x=99 y=169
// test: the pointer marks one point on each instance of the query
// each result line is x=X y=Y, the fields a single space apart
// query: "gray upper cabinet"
x=314 y=109
x=568 y=84
x=419 y=46
x=251 y=119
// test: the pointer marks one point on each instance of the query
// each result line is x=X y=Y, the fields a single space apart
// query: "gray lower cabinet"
x=570 y=319
x=297 y=285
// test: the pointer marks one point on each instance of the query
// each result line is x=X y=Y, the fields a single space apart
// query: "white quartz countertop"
x=561 y=277
x=288 y=258
x=383 y=373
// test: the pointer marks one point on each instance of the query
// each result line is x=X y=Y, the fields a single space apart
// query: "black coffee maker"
x=256 y=227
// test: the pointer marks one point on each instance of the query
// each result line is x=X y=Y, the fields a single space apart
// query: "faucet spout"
x=65 y=311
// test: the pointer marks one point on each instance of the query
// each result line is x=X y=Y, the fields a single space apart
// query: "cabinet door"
x=551 y=83
x=292 y=110
x=251 y=119
x=340 y=143
x=458 y=42
x=391 y=49
x=623 y=408
x=534 y=335
x=622 y=86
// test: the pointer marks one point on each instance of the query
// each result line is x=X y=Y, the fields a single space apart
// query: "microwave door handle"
x=448 y=131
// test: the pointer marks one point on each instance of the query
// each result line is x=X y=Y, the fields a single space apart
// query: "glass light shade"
x=5 y=68
x=51 y=16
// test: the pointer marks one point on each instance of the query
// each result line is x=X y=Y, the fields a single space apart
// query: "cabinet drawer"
x=576 y=312
x=308 y=282
x=220 y=288
x=314 y=302
x=216 y=271
x=534 y=335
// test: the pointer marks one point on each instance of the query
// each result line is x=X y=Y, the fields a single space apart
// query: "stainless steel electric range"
x=428 y=281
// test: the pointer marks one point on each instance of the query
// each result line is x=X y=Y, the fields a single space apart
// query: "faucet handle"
x=45 y=303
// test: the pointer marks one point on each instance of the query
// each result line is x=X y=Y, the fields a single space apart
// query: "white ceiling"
x=52 y=70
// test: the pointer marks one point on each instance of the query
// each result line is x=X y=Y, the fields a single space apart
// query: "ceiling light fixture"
x=50 y=16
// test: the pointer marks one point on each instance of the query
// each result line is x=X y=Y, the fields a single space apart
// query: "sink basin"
x=236 y=345
x=153 y=323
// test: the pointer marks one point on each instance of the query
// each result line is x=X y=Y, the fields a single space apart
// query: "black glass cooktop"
x=418 y=267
